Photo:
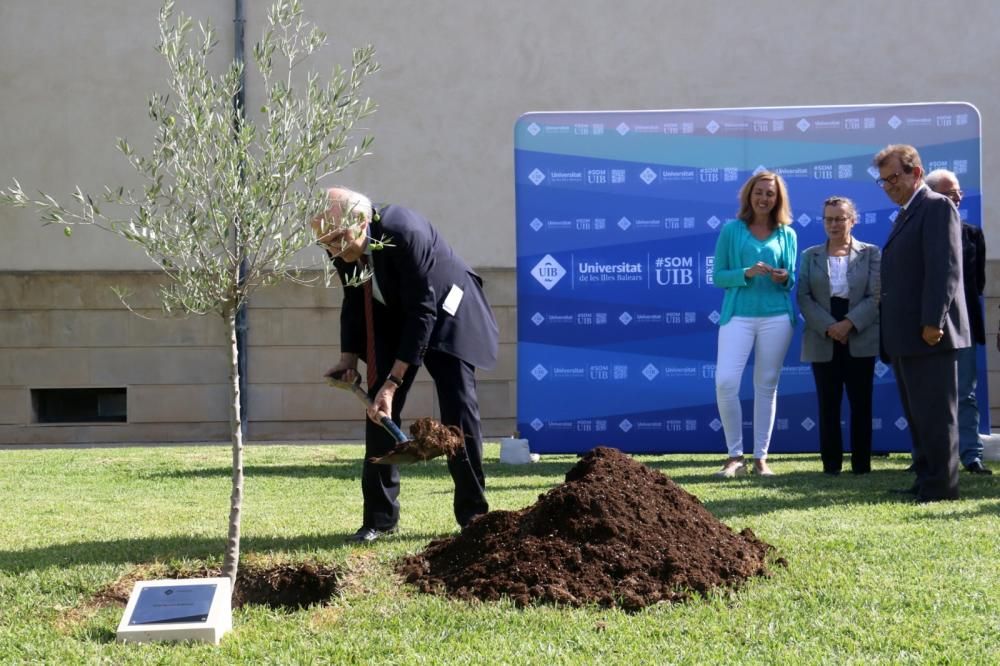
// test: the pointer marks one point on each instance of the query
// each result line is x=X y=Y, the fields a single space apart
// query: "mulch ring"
x=615 y=534
x=289 y=586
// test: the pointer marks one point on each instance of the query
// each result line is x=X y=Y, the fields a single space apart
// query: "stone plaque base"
x=196 y=609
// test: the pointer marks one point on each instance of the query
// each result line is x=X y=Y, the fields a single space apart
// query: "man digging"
x=422 y=305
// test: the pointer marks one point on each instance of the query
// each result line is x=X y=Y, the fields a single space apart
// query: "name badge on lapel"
x=452 y=300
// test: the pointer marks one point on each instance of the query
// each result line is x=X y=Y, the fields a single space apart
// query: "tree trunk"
x=230 y=562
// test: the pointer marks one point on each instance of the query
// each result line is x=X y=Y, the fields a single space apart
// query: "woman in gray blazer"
x=838 y=298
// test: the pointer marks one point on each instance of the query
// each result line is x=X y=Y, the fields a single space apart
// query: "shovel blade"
x=397 y=458
x=407 y=453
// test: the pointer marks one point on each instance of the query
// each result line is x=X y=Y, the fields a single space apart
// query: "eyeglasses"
x=839 y=218
x=891 y=180
x=954 y=193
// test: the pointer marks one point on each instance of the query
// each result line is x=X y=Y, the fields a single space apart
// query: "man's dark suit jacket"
x=415 y=272
x=921 y=276
x=974 y=278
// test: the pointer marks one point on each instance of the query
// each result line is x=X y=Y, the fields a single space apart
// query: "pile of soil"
x=430 y=439
x=288 y=586
x=615 y=534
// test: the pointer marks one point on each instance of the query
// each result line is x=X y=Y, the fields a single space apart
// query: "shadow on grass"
x=351 y=469
x=555 y=466
x=810 y=490
x=791 y=490
x=166 y=549
x=788 y=490
x=797 y=489
x=98 y=634
x=963 y=509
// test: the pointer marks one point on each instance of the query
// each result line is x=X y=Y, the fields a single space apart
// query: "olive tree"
x=222 y=189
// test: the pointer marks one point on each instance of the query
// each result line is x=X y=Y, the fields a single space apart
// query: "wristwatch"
x=394 y=380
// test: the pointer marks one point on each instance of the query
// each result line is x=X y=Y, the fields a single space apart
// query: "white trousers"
x=768 y=338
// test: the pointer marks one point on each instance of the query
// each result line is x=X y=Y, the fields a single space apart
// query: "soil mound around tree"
x=615 y=534
x=288 y=586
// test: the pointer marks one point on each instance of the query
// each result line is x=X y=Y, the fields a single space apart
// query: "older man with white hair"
x=970 y=448
x=422 y=306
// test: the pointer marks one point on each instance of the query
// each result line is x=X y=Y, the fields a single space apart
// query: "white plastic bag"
x=991 y=447
x=516 y=451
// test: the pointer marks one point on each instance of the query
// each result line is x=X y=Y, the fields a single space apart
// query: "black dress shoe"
x=978 y=468
x=369 y=534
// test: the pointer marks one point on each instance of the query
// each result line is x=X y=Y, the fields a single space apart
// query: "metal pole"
x=239 y=107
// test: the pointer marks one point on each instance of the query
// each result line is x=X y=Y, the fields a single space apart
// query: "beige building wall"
x=69 y=330
x=456 y=75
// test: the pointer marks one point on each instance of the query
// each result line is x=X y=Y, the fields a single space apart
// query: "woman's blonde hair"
x=781 y=214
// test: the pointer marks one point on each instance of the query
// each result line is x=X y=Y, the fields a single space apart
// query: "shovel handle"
x=337 y=381
x=394 y=430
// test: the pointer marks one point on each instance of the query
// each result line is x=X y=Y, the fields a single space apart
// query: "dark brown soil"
x=286 y=586
x=278 y=586
x=430 y=440
x=615 y=534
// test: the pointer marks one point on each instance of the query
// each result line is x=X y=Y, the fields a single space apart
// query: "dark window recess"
x=83 y=405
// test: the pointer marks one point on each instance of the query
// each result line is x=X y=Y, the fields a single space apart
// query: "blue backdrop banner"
x=617 y=218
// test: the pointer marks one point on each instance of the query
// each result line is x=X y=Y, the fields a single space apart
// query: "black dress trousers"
x=856 y=375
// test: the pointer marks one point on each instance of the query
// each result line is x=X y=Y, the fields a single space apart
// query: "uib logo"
x=548 y=272
x=676 y=271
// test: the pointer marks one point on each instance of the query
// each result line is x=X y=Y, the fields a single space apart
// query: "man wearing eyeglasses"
x=970 y=449
x=418 y=304
x=923 y=317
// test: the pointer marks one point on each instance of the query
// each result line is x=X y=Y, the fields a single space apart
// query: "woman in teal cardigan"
x=755 y=263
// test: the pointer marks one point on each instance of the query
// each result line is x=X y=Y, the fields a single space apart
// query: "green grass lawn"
x=871 y=578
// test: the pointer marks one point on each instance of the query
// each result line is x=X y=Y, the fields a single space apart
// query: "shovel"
x=406 y=450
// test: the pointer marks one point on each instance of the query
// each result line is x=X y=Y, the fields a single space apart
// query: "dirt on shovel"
x=429 y=439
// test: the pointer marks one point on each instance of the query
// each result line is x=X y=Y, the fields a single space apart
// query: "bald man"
x=970 y=448
x=428 y=310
